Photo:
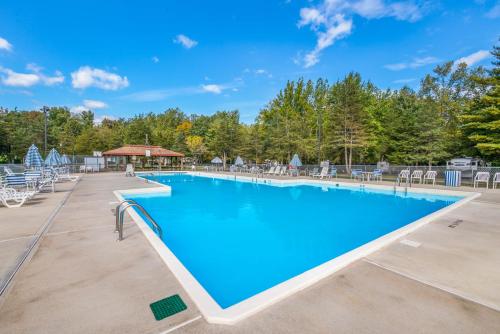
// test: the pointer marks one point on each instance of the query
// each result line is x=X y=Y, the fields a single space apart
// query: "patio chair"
x=482 y=177
x=377 y=174
x=430 y=175
x=8 y=171
x=277 y=171
x=322 y=174
x=11 y=198
x=129 y=170
x=332 y=173
x=404 y=174
x=496 y=180
x=314 y=171
x=62 y=174
x=357 y=174
x=416 y=175
x=271 y=170
x=283 y=171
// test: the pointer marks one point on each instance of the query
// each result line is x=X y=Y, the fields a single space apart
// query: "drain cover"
x=166 y=307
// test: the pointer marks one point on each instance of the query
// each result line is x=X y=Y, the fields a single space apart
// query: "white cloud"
x=404 y=81
x=5 y=45
x=333 y=20
x=155 y=59
x=474 y=58
x=87 y=76
x=187 y=42
x=94 y=104
x=416 y=63
x=17 y=79
x=212 y=88
x=494 y=12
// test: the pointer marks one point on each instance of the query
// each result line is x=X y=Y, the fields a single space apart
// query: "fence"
x=389 y=174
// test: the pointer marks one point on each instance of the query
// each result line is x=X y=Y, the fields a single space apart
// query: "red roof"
x=140 y=150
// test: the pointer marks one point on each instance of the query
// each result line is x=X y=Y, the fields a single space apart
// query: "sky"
x=122 y=58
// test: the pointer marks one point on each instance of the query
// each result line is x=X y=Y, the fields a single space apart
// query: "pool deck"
x=81 y=280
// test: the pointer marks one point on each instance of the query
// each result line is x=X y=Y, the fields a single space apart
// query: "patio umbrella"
x=216 y=160
x=295 y=162
x=65 y=160
x=53 y=158
x=238 y=161
x=33 y=158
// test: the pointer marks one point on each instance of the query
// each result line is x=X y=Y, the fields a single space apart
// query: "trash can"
x=452 y=178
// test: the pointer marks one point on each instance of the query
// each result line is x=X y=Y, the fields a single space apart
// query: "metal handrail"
x=120 y=213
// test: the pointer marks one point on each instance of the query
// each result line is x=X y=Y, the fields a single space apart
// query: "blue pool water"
x=238 y=239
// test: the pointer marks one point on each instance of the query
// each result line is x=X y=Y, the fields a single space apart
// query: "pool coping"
x=212 y=312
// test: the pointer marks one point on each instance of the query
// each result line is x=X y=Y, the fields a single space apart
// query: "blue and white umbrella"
x=53 y=158
x=216 y=160
x=238 y=161
x=33 y=158
x=295 y=162
x=65 y=160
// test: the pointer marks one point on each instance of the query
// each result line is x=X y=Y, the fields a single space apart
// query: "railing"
x=120 y=213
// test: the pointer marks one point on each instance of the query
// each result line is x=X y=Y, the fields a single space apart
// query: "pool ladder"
x=120 y=213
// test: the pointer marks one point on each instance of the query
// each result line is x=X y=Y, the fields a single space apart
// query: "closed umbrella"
x=238 y=161
x=65 y=160
x=33 y=158
x=295 y=162
x=53 y=158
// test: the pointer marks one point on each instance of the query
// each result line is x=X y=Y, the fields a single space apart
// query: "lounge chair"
x=277 y=171
x=283 y=170
x=430 y=175
x=482 y=177
x=8 y=171
x=496 y=180
x=356 y=173
x=11 y=198
x=377 y=174
x=416 y=175
x=62 y=174
x=271 y=170
x=322 y=174
x=404 y=174
x=333 y=172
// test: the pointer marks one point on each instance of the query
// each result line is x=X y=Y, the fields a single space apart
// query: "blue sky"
x=121 y=58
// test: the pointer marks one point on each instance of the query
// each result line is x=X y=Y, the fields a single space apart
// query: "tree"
x=482 y=121
x=196 y=146
x=223 y=134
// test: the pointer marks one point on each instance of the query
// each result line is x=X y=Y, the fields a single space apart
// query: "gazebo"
x=144 y=156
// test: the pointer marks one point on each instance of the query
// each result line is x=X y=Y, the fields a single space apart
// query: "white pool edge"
x=213 y=313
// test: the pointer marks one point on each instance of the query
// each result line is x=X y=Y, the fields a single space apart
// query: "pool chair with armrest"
x=404 y=175
x=314 y=171
x=496 y=180
x=129 y=170
x=416 y=175
x=377 y=174
x=271 y=170
x=430 y=175
x=357 y=174
x=482 y=177
x=332 y=173
x=323 y=173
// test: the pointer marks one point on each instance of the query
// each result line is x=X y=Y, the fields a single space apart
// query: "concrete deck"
x=82 y=281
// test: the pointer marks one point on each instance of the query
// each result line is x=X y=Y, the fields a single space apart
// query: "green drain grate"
x=167 y=307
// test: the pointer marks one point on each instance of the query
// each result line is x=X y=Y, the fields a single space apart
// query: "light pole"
x=45 y=109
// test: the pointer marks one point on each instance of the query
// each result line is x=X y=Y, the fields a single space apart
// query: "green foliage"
x=454 y=112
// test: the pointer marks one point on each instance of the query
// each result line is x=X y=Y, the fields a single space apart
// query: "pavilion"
x=143 y=156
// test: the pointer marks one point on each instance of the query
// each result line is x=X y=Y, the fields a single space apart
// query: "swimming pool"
x=239 y=241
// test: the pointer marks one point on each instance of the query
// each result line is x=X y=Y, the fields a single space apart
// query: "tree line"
x=454 y=112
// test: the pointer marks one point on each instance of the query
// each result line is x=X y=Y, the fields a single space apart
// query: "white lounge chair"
x=430 y=175
x=416 y=175
x=322 y=174
x=277 y=171
x=496 y=180
x=482 y=177
x=14 y=199
x=404 y=174
x=129 y=171
x=314 y=171
x=283 y=170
